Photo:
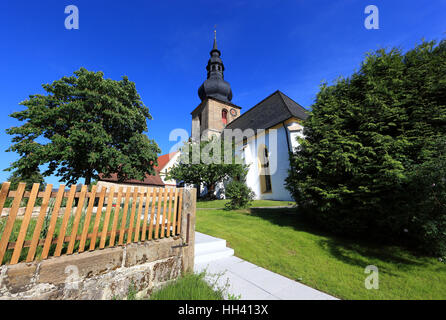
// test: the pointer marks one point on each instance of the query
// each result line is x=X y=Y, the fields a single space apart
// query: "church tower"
x=215 y=110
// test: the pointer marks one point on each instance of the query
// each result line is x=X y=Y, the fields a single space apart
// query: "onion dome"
x=215 y=86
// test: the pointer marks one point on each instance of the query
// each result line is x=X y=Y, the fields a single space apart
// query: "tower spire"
x=215 y=85
x=215 y=37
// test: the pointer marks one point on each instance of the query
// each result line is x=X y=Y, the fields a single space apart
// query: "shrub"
x=367 y=165
x=240 y=195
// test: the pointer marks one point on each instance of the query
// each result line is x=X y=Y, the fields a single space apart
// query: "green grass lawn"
x=188 y=287
x=216 y=204
x=278 y=240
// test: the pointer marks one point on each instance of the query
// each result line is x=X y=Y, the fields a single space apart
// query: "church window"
x=244 y=149
x=224 y=116
x=265 y=177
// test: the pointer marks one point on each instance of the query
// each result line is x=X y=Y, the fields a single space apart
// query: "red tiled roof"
x=163 y=160
x=148 y=179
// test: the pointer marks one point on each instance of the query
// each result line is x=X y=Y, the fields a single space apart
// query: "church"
x=263 y=135
x=269 y=130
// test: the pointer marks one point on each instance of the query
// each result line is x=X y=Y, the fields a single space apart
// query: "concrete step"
x=214 y=255
x=209 y=248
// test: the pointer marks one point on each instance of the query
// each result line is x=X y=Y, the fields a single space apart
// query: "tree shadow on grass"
x=352 y=251
x=364 y=254
x=286 y=217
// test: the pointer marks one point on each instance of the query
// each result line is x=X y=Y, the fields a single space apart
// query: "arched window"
x=265 y=177
x=224 y=116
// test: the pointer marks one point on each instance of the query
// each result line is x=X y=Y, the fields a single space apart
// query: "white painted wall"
x=279 y=164
x=167 y=167
x=295 y=130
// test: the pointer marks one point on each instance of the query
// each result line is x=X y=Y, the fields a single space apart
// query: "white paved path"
x=251 y=282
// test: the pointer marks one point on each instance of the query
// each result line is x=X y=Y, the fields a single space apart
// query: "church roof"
x=272 y=110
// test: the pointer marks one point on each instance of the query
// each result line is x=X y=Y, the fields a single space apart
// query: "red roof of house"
x=163 y=160
x=148 y=179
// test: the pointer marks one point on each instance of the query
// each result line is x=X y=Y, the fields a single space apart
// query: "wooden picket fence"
x=136 y=215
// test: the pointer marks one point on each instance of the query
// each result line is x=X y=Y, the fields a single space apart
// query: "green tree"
x=365 y=137
x=205 y=163
x=84 y=126
x=29 y=177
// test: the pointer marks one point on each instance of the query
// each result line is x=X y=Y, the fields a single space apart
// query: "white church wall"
x=296 y=130
x=250 y=158
x=279 y=165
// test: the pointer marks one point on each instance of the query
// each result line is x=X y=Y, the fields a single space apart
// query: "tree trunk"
x=211 y=190
x=88 y=179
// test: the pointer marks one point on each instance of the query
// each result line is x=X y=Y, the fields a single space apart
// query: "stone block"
x=18 y=277
x=139 y=253
x=167 y=270
x=56 y=270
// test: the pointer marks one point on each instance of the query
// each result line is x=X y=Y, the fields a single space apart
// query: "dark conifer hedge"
x=373 y=163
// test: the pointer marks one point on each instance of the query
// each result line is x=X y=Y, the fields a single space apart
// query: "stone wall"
x=211 y=117
x=106 y=273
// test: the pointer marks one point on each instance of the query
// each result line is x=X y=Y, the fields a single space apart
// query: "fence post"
x=188 y=227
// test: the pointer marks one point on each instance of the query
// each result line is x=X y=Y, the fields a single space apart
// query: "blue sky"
x=163 y=46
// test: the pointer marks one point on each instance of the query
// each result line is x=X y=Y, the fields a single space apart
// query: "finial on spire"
x=215 y=38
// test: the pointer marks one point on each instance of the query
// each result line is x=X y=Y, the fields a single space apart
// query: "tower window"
x=224 y=116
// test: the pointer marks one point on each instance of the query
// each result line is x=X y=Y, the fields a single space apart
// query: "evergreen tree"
x=29 y=177
x=354 y=171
